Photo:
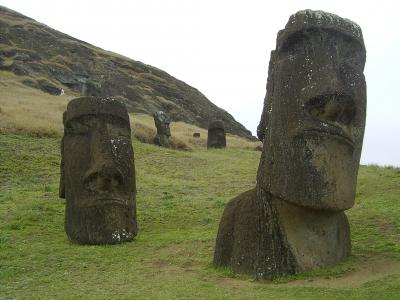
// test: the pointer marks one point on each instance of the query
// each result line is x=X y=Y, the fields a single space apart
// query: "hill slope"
x=50 y=60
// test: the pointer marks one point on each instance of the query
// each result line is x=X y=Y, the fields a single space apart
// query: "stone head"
x=98 y=172
x=216 y=135
x=315 y=112
x=162 y=122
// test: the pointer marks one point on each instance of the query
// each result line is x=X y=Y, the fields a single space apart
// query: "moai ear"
x=61 y=191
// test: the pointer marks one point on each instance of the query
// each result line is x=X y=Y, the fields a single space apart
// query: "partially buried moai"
x=162 y=122
x=312 y=126
x=98 y=172
x=216 y=135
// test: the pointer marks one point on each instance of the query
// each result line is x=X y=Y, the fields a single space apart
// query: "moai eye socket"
x=76 y=127
x=295 y=44
x=332 y=108
x=118 y=131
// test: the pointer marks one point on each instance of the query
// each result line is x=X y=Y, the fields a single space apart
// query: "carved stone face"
x=315 y=112
x=216 y=135
x=162 y=122
x=99 y=172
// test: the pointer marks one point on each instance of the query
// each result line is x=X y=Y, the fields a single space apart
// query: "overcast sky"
x=222 y=48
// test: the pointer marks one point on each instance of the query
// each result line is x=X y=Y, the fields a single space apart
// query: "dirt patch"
x=365 y=270
x=389 y=229
x=232 y=282
x=180 y=259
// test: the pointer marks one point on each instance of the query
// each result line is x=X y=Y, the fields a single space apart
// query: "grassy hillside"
x=30 y=111
x=48 y=60
x=181 y=196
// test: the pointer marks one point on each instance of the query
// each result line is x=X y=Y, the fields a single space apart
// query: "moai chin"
x=162 y=122
x=98 y=172
x=216 y=135
x=312 y=127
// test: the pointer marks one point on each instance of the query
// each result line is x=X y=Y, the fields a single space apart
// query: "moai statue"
x=216 y=135
x=312 y=127
x=98 y=172
x=162 y=122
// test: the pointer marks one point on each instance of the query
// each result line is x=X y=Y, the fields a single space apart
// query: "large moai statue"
x=162 y=122
x=216 y=135
x=98 y=172
x=312 y=126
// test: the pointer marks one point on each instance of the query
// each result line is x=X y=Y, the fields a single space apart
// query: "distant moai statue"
x=312 y=126
x=98 y=172
x=162 y=122
x=216 y=135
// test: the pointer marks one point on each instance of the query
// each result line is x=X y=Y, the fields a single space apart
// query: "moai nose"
x=104 y=178
x=103 y=174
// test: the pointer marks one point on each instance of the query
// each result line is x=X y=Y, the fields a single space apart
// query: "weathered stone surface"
x=98 y=172
x=162 y=122
x=216 y=135
x=312 y=127
x=314 y=113
x=196 y=134
x=279 y=238
x=237 y=238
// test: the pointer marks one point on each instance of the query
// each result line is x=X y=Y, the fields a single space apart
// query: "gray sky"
x=221 y=47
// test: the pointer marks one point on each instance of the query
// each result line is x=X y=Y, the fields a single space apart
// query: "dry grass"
x=31 y=111
x=182 y=134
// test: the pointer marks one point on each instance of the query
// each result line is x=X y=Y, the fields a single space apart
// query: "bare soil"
x=365 y=270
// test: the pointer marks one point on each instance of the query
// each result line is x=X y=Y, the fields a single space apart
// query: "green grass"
x=181 y=196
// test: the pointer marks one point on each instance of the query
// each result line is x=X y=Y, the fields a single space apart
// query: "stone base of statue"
x=267 y=237
x=162 y=140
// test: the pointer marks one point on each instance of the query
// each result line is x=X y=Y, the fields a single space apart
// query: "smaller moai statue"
x=162 y=122
x=216 y=135
x=97 y=172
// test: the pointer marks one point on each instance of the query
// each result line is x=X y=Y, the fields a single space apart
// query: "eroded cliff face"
x=51 y=61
